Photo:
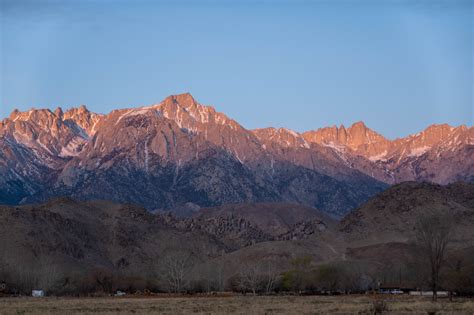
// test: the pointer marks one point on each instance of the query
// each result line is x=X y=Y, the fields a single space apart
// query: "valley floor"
x=233 y=305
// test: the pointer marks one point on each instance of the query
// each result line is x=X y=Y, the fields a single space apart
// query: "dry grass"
x=247 y=305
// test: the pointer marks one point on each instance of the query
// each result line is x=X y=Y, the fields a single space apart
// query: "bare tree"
x=270 y=275
x=329 y=277
x=103 y=279
x=212 y=278
x=297 y=279
x=49 y=275
x=250 y=278
x=258 y=277
x=434 y=232
x=177 y=266
x=218 y=275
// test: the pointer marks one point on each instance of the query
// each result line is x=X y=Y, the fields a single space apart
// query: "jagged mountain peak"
x=435 y=132
x=83 y=108
x=282 y=136
x=52 y=136
x=184 y=100
x=357 y=125
x=31 y=114
x=184 y=110
x=189 y=114
x=428 y=138
x=357 y=137
x=84 y=118
x=59 y=112
x=38 y=115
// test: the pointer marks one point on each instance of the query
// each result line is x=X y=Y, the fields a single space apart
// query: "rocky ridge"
x=178 y=151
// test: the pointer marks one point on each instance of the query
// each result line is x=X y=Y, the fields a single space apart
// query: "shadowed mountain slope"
x=391 y=215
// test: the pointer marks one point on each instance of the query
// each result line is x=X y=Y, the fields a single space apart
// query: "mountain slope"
x=82 y=236
x=166 y=155
x=273 y=218
x=75 y=239
x=391 y=215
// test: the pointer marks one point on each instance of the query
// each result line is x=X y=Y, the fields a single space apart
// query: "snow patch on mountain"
x=419 y=151
x=340 y=150
x=73 y=148
x=336 y=147
x=378 y=157
x=291 y=132
x=140 y=111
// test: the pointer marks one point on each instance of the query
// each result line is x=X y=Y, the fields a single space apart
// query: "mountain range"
x=179 y=155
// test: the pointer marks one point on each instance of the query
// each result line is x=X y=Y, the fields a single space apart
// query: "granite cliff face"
x=180 y=152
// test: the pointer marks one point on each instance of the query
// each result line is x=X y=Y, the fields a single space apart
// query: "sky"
x=397 y=65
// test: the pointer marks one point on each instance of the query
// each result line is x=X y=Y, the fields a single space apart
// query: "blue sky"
x=397 y=65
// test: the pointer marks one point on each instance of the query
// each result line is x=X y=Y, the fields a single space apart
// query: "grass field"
x=232 y=305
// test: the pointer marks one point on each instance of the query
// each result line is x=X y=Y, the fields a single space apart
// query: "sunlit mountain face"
x=179 y=152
